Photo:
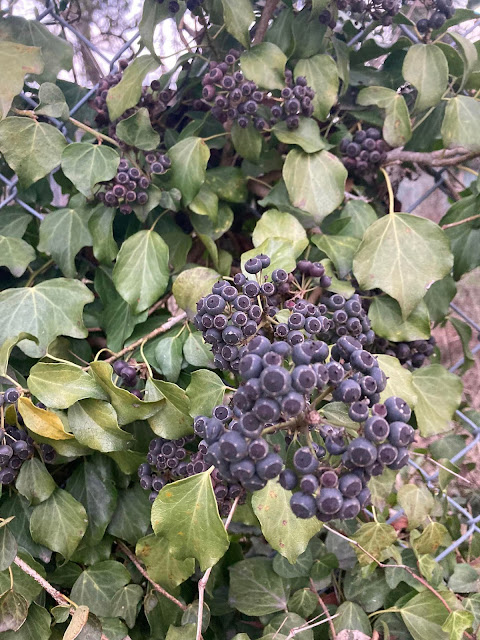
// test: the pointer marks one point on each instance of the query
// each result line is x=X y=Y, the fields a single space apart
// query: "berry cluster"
x=232 y=97
x=17 y=446
x=364 y=153
x=128 y=375
x=130 y=184
x=442 y=11
x=411 y=354
x=380 y=10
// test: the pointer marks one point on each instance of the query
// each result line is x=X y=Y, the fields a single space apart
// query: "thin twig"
x=99 y=136
x=324 y=607
x=133 y=558
x=296 y=630
x=458 y=222
x=202 y=583
x=262 y=26
x=174 y=320
x=440 y=158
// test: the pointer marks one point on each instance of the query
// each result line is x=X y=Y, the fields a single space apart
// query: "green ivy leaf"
x=426 y=68
x=247 y=141
x=285 y=226
x=16 y=255
x=205 y=203
x=32 y=149
x=34 y=482
x=171 y=420
x=352 y=617
x=169 y=356
x=303 y=602
x=458 y=127
x=189 y=164
x=464 y=238
x=16 y=505
x=286 y=533
x=37 y=625
x=424 y=616
x=464 y=331
x=255 y=588
x=307 y=135
x=152 y=14
x=50 y=309
x=88 y=164
x=397 y=129
x=14 y=221
x=161 y=565
x=137 y=131
x=7 y=346
x=197 y=352
x=59 y=523
x=59 y=385
x=13 y=611
x=16 y=60
x=439 y=296
x=286 y=622
x=141 y=272
x=97 y=586
x=374 y=538
x=264 y=64
x=468 y=53
x=131 y=519
x=340 y=250
x=356 y=216
x=100 y=226
x=315 y=182
x=439 y=394
x=417 y=502
x=127 y=92
x=387 y=321
x=187 y=632
x=229 y=183
x=52 y=102
x=205 y=391
x=191 y=285
x=94 y=424
x=125 y=603
x=457 y=623
x=433 y=536
x=238 y=16
x=399 y=380
x=322 y=75
x=402 y=243
x=8 y=547
x=186 y=515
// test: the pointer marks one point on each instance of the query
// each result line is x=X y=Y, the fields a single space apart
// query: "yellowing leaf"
x=45 y=423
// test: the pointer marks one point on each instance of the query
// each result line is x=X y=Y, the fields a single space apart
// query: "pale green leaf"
x=16 y=61
x=94 y=424
x=137 y=131
x=88 y=164
x=59 y=385
x=255 y=589
x=459 y=123
x=397 y=129
x=238 y=16
x=322 y=75
x=161 y=565
x=306 y=135
x=387 y=321
x=264 y=64
x=34 y=482
x=189 y=163
x=425 y=66
x=284 y=225
x=417 y=502
x=127 y=92
x=439 y=393
x=399 y=380
x=16 y=255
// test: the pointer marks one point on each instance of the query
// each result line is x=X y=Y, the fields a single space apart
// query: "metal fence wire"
x=471 y=524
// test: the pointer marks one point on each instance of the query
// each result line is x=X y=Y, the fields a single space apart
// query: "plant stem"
x=202 y=583
x=262 y=26
x=391 y=197
x=56 y=595
x=99 y=136
x=36 y=273
x=133 y=558
x=325 y=610
x=459 y=222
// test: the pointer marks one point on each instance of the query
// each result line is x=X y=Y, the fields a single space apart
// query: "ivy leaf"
x=14 y=221
x=352 y=617
x=64 y=232
x=402 y=243
x=125 y=603
x=41 y=421
x=439 y=394
x=127 y=92
x=464 y=331
x=464 y=579
x=286 y=533
x=59 y=523
x=285 y=225
x=161 y=565
x=322 y=75
x=94 y=424
x=286 y=622
x=424 y=616
x=131 y=518
x=137 y=131
x=7 y=346
x=97 y=586
x=397 y=129
x=186 y=632
x=426 y=68
x=8 y=547
x=50 y=309
x=374 y=538
x=205 y=391
x=464 y=238
x=186 y=515
x=16 y=255
x=100 y=225
x=37 y=625
x=52 y=101
x=457 y=623
x=197 y=352
x=152 y=14
x=171 y=420
x=315 y=182
x=399 y=380
x=191 y=285
x=458 y=127
x=169 y=356
x=128 y=407
x=468 y=54
x=189 y=164
x=255 y=588
x=264 y=64
x=34 y=482
x=141 y=272
x=439 y=296
x=16 y=61
x=417 y=502
x=32 y=149
x=387 y=321
x=433 y=536
x=356 y=216
x=13 y=611
x=238 y=16
x=340 y=250
x=88 y=164
x=58 y=385
x=248 y=141
x=307 y=135
x=16 y=505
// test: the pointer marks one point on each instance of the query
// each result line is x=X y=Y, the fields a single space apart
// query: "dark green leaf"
x=255 y=589
x=465 y=579
x=88 y=164
x=16 y=505
x=464 y=238
x=125 y=603
x=13 y=611
x=352 y=618
x=161 y=565
x=340 y=250
x=439 y=296
x=322 y=75
x=59 y=385
x=34 y=482
x=465 y=334
x=169 y=356
x=387 y=321
x=97 y=586
x=189 y=163
x=424 y=616
x=100 y=226
x=131 y=518
x=238 y=16
x=35 y=627
x=8 y=547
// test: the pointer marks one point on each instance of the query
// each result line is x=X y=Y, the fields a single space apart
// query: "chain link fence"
x=470 y=524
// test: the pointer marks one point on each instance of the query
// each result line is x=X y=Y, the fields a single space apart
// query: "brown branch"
x=441 y=158
x=455 y=224
x=325 y=610
x=174 y=320
x=262 y=26
x=202 y=583
x=133 y=558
